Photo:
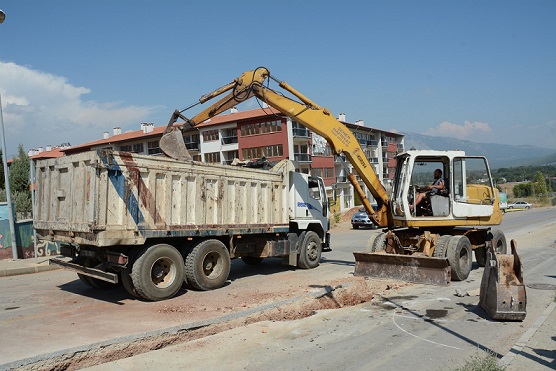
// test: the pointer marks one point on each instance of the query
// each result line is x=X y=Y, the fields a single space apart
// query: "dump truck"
x=154 y=223
x=428 y=231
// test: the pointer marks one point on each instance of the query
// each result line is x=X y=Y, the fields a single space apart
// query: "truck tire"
x=311 y=249
x=158 y=272
x=208 y=265
x=498 y=240
x=127 y=282
x=460 y=258
x=441 y=246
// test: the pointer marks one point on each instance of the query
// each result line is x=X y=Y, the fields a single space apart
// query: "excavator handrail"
x=317 y=119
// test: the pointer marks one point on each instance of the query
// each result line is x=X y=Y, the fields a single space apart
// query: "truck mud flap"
x=502 y=293
x=410 y=268
x=91 y=272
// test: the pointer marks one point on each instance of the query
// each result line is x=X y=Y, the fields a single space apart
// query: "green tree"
x=541 y=190
x=523 y=190
x=19 y=181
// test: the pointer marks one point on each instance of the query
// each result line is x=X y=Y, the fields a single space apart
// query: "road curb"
x=35 y=268
x=522 y=342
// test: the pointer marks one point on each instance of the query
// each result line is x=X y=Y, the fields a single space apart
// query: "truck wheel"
x=85 y=279
x=251 y=260
x=460 y=258
x=441 y=246
x=207 y=266
x=158 y=272
x=127 y=282
x=311 y=249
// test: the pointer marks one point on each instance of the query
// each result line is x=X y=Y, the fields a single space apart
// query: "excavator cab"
x=467 y=191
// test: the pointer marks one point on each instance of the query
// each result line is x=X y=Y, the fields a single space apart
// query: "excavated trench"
x=341 y=296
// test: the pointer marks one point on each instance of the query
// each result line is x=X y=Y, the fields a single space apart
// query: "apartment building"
x=252 y=134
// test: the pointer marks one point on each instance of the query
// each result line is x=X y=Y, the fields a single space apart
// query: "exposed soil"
x=354 y=291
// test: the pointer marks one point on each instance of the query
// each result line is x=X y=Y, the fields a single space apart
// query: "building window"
x=316 y=172
x=329 y=172
x=229 y=136
x=275 y=150
x=210 y=135
x=138 y=148
x=192 y=142
x=213 y=157
x=153 y=147
x=196 y=158
x=125 y=148
x=261 y=128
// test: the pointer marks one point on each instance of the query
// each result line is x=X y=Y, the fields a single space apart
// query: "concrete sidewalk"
x=9 y=267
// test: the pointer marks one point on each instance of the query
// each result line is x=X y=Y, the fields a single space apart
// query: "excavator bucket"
x=502 y=293
x=411 y=268
x=173 y=146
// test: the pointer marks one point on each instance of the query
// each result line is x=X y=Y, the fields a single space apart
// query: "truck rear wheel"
x=460 y=258
x=158 y=272
x=207 y=266
x=309 y=256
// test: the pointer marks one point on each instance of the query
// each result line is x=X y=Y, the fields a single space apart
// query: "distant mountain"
x=498 y=155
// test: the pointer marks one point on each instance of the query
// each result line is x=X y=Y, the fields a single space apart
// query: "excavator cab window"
x=420 y=197
x=472 y=182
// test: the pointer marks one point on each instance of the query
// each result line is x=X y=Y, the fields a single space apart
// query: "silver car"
x=361 y=219
x=520 y=205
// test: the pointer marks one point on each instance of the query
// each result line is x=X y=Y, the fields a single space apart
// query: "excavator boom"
x=317 y=119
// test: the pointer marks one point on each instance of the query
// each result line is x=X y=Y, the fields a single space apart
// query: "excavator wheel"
x=441 y=246
x=498 y=241
x=459 y=255
x=376 y=242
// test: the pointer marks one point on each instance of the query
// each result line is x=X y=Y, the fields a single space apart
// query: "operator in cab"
x=434 y=189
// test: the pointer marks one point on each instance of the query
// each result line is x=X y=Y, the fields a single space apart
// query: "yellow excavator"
x=427 y=237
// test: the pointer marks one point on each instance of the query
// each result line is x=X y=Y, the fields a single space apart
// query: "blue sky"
x=478 y=70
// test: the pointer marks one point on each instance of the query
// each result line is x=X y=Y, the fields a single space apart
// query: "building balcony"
x=301 y=133
x=192 y=145
x=302 y=157
x=229 y=140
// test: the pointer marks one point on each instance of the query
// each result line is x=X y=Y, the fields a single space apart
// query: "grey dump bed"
x=107 y=198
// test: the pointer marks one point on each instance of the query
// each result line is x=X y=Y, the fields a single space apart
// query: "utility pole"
x=6 y=175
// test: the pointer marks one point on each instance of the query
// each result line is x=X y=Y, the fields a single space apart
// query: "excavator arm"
x=317 y=119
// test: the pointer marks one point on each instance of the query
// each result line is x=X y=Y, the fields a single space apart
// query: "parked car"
x=361 y=219
x=520 y=205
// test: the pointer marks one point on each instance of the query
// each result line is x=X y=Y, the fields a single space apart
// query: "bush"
x=485 y=361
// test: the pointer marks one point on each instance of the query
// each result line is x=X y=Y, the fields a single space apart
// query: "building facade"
x=265 y=132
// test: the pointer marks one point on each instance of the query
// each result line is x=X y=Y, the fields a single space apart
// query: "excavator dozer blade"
x=502 y=293
x=410 y=268
x=173 y=146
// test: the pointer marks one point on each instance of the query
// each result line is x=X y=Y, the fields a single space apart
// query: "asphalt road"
x=47 y=313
